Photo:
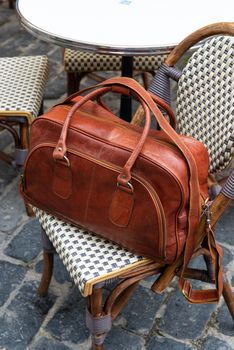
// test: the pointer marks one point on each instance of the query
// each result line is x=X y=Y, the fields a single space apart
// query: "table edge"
x=85 y=46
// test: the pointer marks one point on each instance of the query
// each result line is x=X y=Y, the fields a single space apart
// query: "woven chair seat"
x=89 y=258
x=80 y=62
x=22 y=85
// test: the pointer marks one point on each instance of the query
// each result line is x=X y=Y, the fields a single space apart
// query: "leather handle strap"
x=158 y=100
x=125 y=175
x=60 y=150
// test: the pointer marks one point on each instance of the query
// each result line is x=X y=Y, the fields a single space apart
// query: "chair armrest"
x=228 y=188
x=160 y=85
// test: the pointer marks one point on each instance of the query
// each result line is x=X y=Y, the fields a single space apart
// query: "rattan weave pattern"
x=80 y=62
x=205 y=99
x=23 y=81
x=85 y=255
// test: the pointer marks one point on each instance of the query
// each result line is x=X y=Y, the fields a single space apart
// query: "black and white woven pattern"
x=22 y=83
x=86 y=256
x=80 y=62
x=205 y=99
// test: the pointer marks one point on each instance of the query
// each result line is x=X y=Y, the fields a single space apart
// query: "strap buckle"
x=186 y=289
x=129 y=186
x=64 y=161
x=207 y=212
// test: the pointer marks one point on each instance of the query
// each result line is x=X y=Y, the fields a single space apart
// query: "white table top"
x=123 y=27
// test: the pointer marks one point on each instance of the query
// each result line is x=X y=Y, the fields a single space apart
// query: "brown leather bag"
x=138 y=187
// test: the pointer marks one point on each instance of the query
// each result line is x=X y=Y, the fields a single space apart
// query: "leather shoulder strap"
x=194 y=206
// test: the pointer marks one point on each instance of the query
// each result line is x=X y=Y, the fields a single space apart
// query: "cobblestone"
x=184 y=318
x=166 y=344
x=26 y=245
x=56 y=322
x=11 y=276
x=22 y=319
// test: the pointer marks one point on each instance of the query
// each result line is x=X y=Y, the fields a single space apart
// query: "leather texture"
x=140 y=188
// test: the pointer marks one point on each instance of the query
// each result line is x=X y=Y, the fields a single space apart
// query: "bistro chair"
x=78 y=64
x=94 y=262
x=204 y=104
x=23 y=80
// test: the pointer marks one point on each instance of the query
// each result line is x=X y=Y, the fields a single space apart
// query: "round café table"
x=121 y=27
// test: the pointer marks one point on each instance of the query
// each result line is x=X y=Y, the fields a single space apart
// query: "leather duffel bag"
x=140 y=188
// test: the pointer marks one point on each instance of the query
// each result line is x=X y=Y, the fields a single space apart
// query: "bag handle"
x=159 y=101
x=124 y=86
x=124 y=178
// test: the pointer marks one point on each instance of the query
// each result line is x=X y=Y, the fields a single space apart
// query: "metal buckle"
x=206 y=211
x=184 y=289
x=67 y=162
x=130 y=186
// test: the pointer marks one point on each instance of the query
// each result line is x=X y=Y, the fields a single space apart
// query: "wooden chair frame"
x=161 y=81
x=21 y=138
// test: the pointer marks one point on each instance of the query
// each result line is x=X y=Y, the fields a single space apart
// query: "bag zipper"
x=162 y=142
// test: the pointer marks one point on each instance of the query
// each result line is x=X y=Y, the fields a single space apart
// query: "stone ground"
x=148 y=322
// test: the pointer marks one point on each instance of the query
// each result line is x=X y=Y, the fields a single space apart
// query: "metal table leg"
x=126 y=103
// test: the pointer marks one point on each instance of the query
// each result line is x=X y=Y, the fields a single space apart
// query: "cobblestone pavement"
x=148 y=322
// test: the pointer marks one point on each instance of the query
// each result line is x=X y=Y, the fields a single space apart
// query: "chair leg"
x=22 y=150
x=146 y=78
x=97 y=347
x=98 y=320
x=228 y=296
x=21 y=142
x=11 y=4
x=227 y=291
x=99 y=314
x=24 y=134
x=41 y=110
x=208 y=261
x=10 y=128
x=48 y=263
x=98 y=323
x=73 y=82
x=7 y=159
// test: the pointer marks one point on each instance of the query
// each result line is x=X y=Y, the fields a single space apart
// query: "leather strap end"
x=198 y=296
x=59 y=151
